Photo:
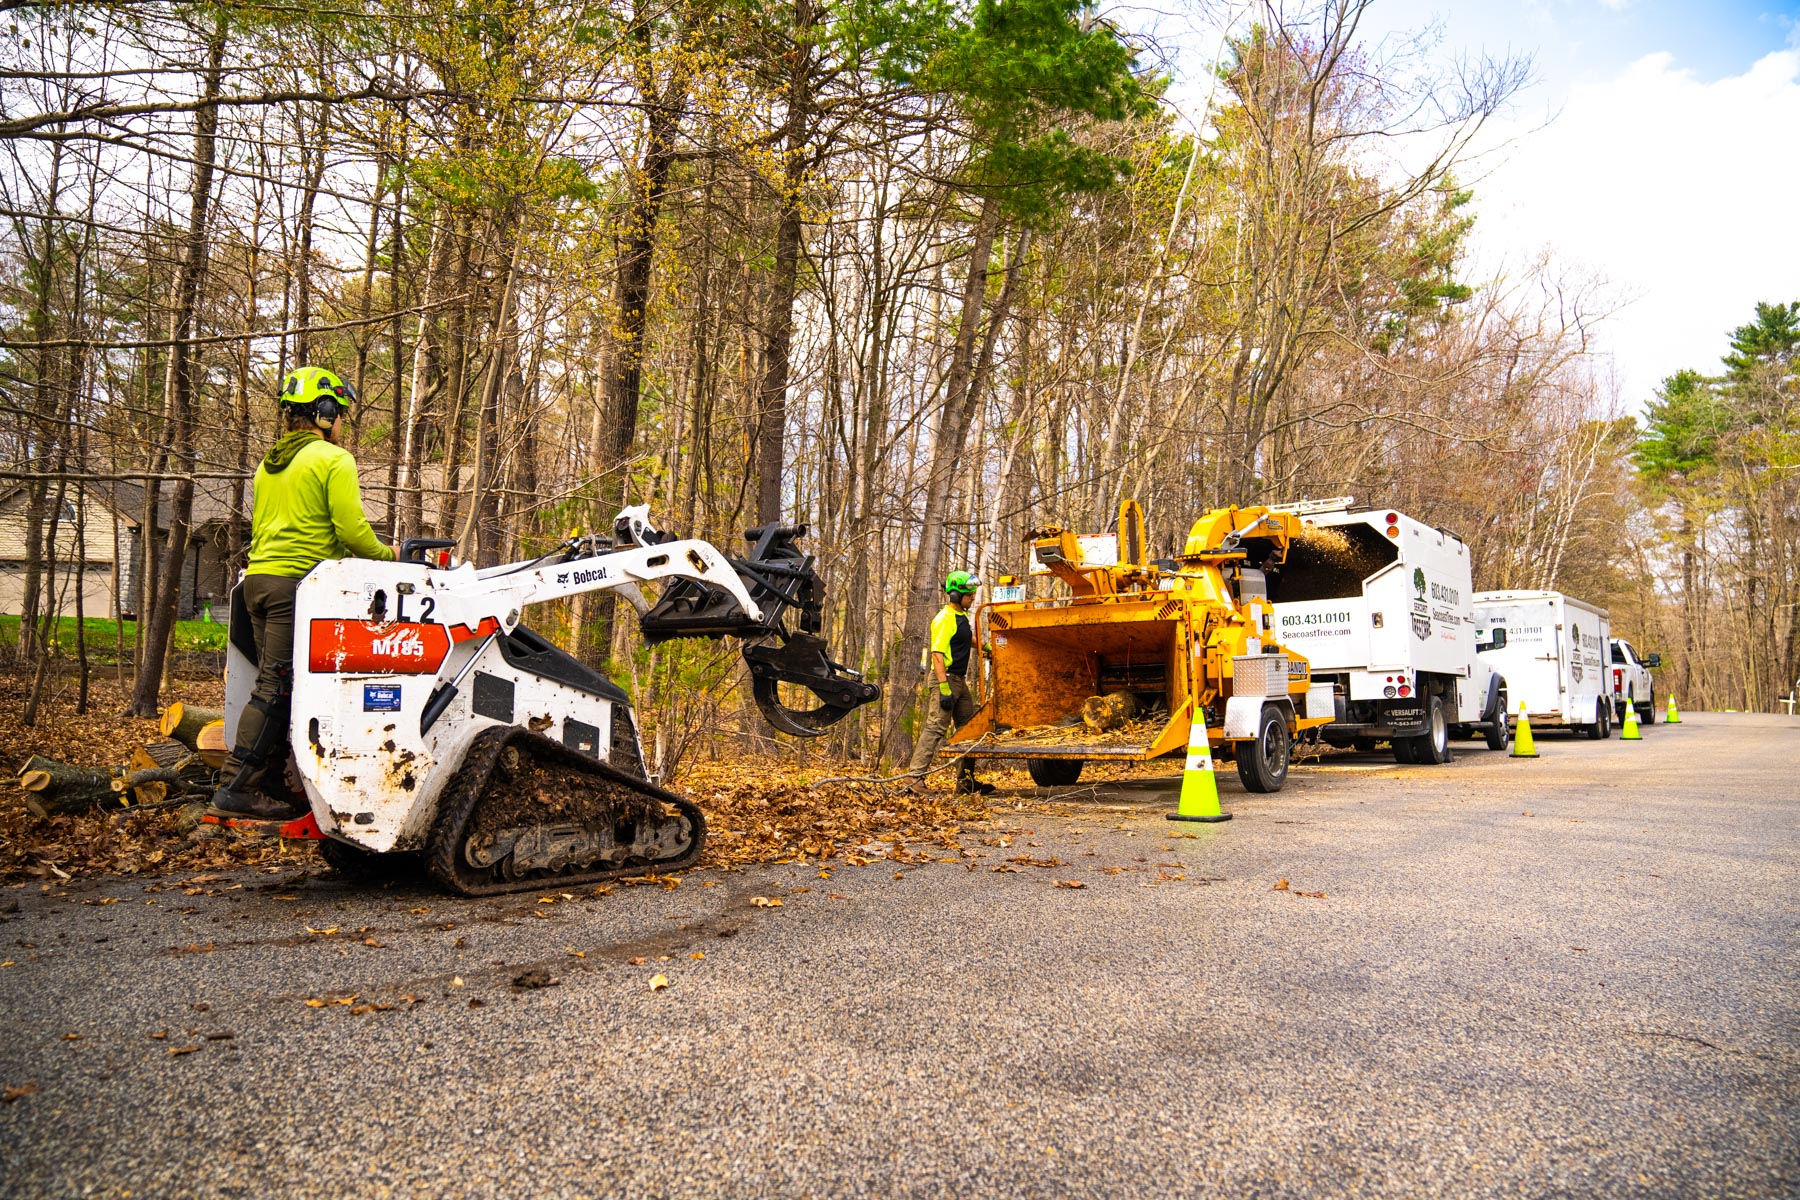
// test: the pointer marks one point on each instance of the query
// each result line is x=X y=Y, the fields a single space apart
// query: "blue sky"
x=1588 y=40
x=1655 y=157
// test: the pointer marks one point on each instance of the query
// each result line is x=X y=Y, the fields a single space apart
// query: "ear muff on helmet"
x=317 y=393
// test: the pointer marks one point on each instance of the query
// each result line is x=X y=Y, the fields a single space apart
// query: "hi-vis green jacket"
x=951 y=636
x=308 y=508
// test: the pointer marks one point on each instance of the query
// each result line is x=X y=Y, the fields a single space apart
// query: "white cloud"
x=1684 y=194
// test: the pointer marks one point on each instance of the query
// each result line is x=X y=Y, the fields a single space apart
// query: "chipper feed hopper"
x=1117 y=668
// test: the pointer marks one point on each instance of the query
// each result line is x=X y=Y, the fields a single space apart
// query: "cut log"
x=151 y=786
x=152 y=757
x=210 y=744
x=53 y=787
x=183 y=722
x=1101 y=713
x=195 y=774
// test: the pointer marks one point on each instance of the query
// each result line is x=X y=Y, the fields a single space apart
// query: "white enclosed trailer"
x=1380 y=605
x=1552 y=649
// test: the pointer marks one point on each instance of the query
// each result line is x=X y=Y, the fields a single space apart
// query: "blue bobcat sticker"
x=381 y=697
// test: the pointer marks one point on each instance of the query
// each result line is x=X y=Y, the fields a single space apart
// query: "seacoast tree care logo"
x=1421 y=614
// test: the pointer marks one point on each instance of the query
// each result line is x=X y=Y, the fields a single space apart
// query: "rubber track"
x=443 y=849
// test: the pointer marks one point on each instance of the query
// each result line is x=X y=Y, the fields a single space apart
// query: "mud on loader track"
x=525 y=812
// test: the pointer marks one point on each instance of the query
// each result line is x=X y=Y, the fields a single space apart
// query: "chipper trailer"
x=430 y=723
x=1184 y=639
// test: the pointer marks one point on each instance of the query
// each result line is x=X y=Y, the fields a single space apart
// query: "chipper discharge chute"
x=429 y=721
x=1119 y=667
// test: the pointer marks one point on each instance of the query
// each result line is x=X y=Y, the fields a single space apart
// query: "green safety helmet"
x=318 y=393
x=961 y=583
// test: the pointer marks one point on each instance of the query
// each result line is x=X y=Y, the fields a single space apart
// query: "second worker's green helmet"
x=961 y=583
x=319 y=393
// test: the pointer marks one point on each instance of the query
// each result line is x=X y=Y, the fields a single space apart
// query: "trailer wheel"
x=1054 y=772
x=1363 y=744
x=1403 y=750
x=1602 y=726
x=1263 y=764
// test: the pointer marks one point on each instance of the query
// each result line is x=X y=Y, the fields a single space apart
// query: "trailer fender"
x=1243 y=715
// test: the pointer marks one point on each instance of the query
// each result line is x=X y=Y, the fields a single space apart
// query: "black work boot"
x=232 y=801
x=260 y=734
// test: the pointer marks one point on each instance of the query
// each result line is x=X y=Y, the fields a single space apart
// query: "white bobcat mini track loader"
x=428 y=721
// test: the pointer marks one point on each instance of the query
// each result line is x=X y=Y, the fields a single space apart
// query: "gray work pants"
x=940 y=722
x=260 y=749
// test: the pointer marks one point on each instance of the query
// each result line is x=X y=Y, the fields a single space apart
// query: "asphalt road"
x=1574 y=976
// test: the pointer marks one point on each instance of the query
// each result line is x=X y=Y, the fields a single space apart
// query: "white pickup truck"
x=1631 y=681
x=1380 y=605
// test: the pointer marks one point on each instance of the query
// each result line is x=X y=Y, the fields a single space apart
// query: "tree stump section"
x=210 y=745
x=183 y=722
x=1101 y=713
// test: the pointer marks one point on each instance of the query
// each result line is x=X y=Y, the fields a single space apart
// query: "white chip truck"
x=1380 y=605
x=1553 y=650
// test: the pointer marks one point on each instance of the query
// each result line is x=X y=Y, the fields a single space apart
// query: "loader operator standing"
x=947 y=664
x=307 y=508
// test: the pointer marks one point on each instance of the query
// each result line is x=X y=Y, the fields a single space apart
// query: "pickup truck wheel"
x=1496 y=730
x=1054 y=772
x=1263 y=764
x=1647 y=712
x=1433 y=746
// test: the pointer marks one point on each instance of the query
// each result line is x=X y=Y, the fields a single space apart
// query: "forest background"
x=921 y=274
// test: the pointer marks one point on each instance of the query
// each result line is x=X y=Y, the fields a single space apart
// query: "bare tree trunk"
x=182 y=373
x=924 y=586
x=771 y=454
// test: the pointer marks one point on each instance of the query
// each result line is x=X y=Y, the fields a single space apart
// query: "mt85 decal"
x=360 y=648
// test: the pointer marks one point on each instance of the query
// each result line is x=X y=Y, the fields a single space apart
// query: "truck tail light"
x=1618 y=679
x=1405 y=690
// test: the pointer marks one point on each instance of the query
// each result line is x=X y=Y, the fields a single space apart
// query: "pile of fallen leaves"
x=116 y=842
x=765 y=810
x=757 y=810
x=1139 y=732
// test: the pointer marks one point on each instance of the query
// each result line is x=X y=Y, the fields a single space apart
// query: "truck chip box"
x=1381 y=605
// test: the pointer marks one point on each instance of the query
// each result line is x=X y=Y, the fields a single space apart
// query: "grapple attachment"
x=781 y=580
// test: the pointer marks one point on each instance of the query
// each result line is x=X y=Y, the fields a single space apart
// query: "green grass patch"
x=104 y=635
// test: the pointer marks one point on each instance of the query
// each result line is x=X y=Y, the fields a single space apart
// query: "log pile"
x=162 y=772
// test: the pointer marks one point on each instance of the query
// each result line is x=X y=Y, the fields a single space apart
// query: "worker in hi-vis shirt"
x=307 y=508
x=948 y=704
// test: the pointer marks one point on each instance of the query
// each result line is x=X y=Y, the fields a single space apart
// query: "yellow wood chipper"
x=1167 y=639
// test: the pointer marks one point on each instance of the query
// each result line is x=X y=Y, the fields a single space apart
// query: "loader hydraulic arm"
x=771 y=599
